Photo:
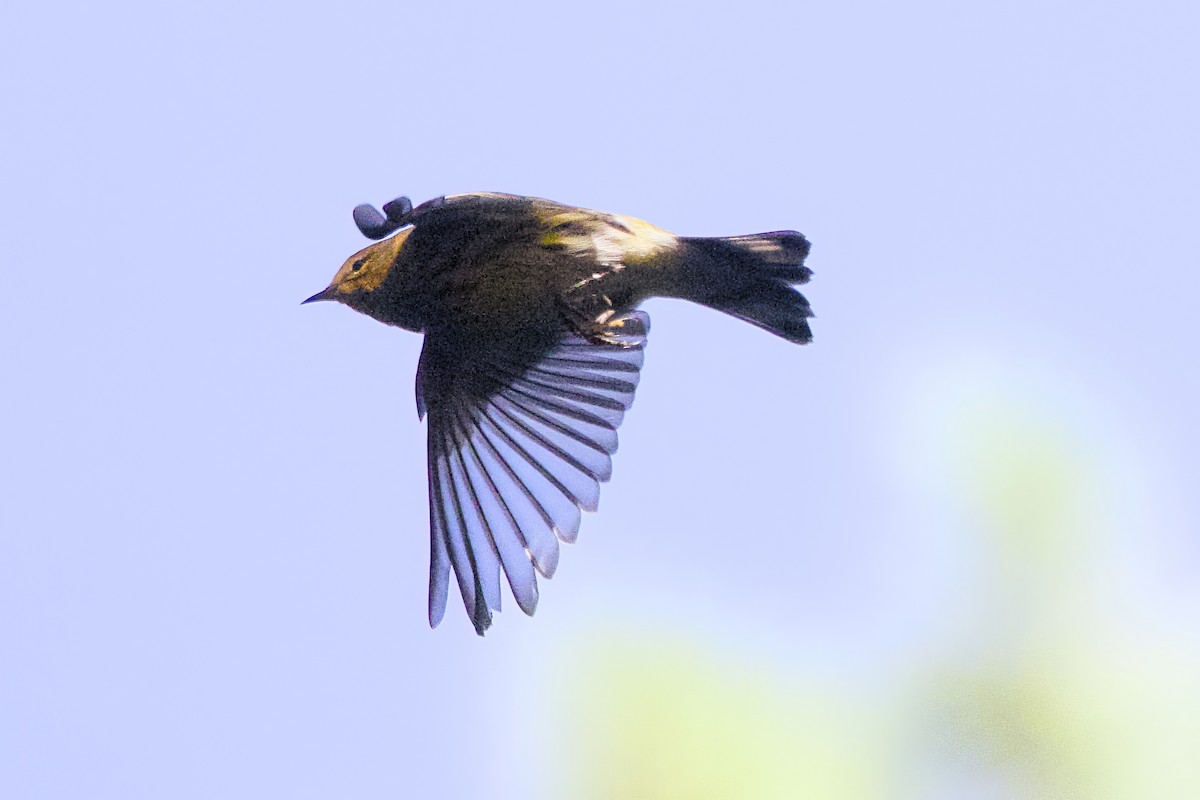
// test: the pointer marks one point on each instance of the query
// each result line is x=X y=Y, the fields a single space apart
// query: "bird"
x=533 y=347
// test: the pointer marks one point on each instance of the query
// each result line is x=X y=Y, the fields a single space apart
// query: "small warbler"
x=533 y=348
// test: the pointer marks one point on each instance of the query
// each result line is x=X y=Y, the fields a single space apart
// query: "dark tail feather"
x=751 y=278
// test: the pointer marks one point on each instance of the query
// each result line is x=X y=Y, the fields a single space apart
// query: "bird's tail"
x=751 y=278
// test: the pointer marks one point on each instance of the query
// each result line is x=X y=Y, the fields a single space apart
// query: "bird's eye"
x=357 y=265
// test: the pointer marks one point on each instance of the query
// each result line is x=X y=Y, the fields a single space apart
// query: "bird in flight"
x=533 y=348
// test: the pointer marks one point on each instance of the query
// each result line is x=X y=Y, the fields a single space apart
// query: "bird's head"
x=363 y=272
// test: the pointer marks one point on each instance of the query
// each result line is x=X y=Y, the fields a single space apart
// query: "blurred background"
x=949 y=550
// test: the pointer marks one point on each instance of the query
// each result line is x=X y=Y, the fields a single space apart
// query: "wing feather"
x=511 y=469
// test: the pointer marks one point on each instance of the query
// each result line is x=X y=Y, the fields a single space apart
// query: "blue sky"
x=213 y=547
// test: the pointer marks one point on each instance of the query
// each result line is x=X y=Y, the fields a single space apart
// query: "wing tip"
x=527 y=598
x=436 y=614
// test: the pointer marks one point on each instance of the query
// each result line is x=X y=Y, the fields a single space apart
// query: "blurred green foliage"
x=1053 y=690
x=670 y=720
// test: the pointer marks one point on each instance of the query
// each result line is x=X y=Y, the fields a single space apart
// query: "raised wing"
x=517 y=448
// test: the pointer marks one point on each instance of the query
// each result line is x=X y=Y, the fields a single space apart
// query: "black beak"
x=324 y=294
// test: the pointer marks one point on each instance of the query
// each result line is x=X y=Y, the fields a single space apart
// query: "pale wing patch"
x=644 y=241
x=614 y=240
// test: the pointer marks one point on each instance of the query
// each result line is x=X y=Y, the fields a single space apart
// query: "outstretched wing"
x=518 y=446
